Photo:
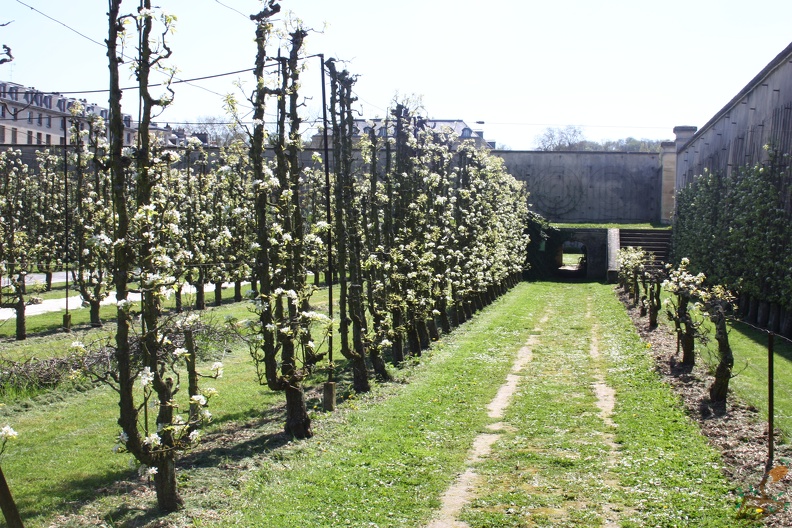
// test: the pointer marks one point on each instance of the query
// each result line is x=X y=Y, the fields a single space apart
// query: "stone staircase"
x=657 y=241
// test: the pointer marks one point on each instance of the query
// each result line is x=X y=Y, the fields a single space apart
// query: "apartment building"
x=32 y=117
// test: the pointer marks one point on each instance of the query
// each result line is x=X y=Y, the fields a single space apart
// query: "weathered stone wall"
x=595 y=187
x=590 y=186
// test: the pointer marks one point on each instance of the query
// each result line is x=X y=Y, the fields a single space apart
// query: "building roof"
x=457 y=126
x=773 y=65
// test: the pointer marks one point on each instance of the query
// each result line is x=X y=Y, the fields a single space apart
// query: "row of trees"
x=418 y=230
x=736 y=228
x=687 y=299
x=572 y=138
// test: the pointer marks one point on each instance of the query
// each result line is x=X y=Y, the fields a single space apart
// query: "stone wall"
x=594 y=187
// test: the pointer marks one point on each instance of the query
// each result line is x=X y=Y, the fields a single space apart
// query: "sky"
x=614 y=68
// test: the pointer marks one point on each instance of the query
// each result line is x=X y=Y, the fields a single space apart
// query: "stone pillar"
x=683 y=135
x=668 y=160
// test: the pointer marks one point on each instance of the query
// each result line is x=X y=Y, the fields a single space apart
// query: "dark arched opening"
x=572 y=259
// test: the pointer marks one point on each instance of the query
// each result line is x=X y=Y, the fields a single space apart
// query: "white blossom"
x=146 y=377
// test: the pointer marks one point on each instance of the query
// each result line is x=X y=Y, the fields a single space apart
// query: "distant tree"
x=219 y=131
x=571 y=138
x=554 y=139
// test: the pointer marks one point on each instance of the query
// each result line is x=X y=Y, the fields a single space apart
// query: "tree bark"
x=168 y=498
x=763 y=314
x=298 y=423
x=413 y=340
x=7 y=504
x=21 y=327
x=422 y=330
x=434 y=333
x=378 y=364
x=95 y=305
x=218 y=293
x=723 y=373
x=774 y=318
x=200 y=295
x=688 y=344
x=178 y=299
x=786 y=323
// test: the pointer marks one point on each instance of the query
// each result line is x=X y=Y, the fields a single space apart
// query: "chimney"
x=683 y=135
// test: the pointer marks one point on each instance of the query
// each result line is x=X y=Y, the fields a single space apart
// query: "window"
x=466 y=133
x=38 y=138
x=30 y=137
x=13 y=135
x=49 y=121
x=39 y=119
x=16 y=114
x=49 y=139
x=2 y=110
x=30 y=117
x=2 y=134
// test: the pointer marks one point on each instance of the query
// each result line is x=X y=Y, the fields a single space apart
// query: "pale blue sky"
x=615 y=67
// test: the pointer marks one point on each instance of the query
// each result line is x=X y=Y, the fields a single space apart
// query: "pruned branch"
x=271 y=9
x=6 y=52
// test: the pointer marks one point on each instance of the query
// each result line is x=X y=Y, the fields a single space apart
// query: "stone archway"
x=593 y=247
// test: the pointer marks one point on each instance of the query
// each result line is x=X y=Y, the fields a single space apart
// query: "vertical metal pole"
x=329 y=394
x=67 y=315
x=770 y=403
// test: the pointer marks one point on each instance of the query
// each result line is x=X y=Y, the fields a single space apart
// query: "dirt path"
x=606 y=401
x=462 y=491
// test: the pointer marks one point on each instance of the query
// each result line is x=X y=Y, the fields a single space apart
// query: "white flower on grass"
x=145 y=471
x=194 y=436
x=181 y=352
x=123 y=438
x=146 y=377
x=206 y=415
x=198 y=399
x=78 y=346
x=217 y=368
x=209 y=392
x=7 y=433
x=153 y=440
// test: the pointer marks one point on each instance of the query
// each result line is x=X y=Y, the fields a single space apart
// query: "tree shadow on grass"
x=133 y=500
x=73 y=493
x=240 y=440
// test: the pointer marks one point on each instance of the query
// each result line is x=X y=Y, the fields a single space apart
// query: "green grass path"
x=386 y=459
x=557 y=462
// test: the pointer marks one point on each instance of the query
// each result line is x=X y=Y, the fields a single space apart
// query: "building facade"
x=380 y=127
x=31 y=117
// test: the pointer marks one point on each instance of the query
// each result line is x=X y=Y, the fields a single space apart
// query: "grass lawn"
x=749 y=346
x=385 y=458
x=646 y=225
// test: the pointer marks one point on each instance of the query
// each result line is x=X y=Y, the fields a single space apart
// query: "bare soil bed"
x=735 y=428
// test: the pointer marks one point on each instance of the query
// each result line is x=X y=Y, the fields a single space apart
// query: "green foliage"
x=736 y=229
